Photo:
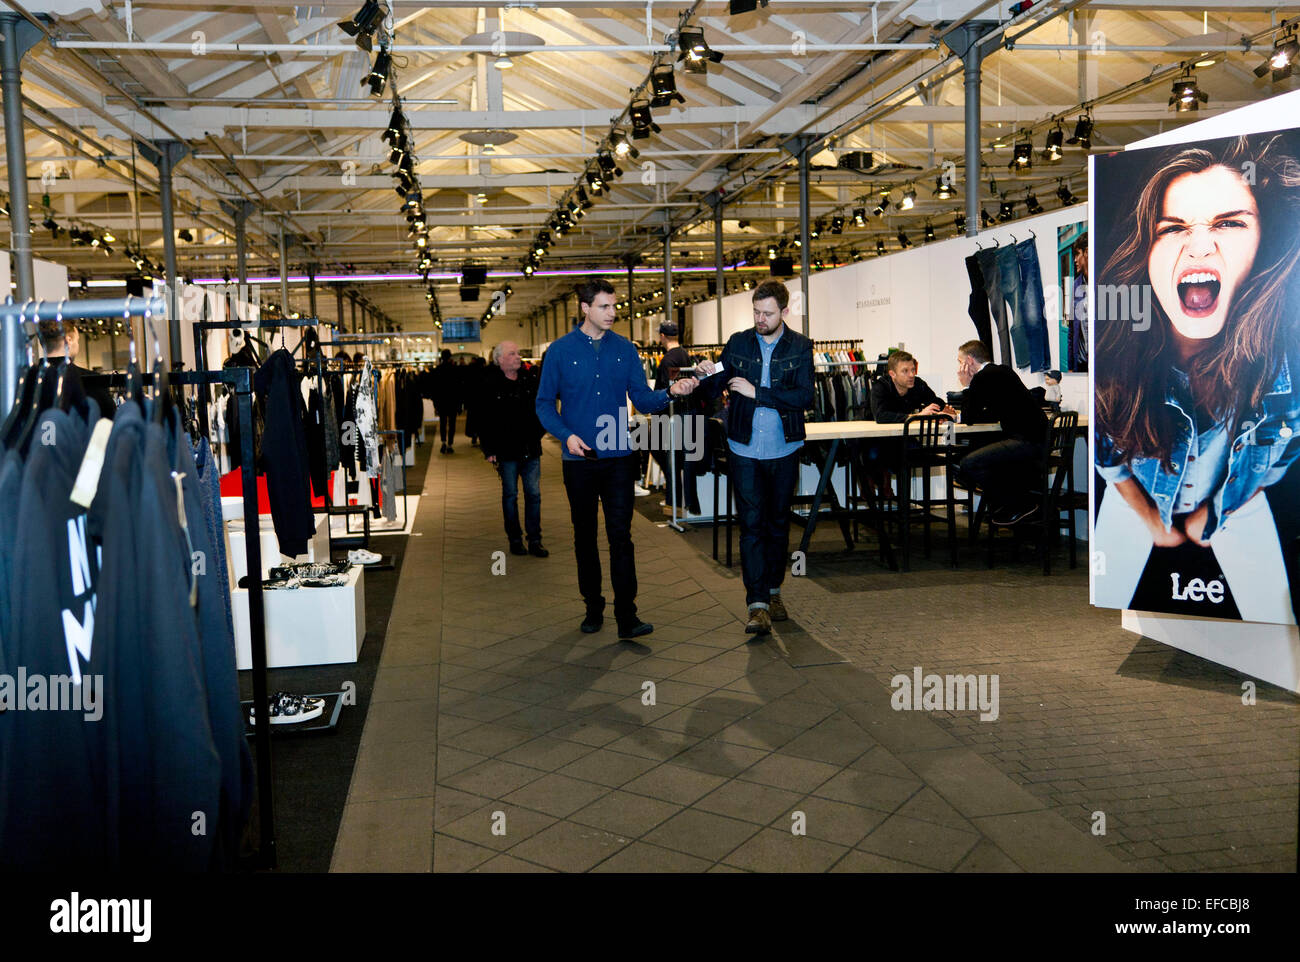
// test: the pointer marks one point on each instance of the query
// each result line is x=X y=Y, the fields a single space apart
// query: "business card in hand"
x=696 y=372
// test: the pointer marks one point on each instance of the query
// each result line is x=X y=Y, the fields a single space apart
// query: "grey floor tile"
x=859 y=861
x=453 y=855
x=556 y=794
x=655 y=743
x=749 y=801
x=508 y=863
x=831 y=821
x=607 y=767
x=702 y=834
x=392 y=770
x=490 y=738
x=789 y=772
x=387 y=836
x=870 y=790
x=492 y=778
x=642 y=857
x=928 y=806
x=626 y=814
x=674 y=783
x=1046 y=842
x=450 y=805
x=569 y=847
x=987 y=857
x=772 y=850
x=969 y=783
x=720 y=758
x=402 y=721
x=758 y=734
x=924 y=843
x=453 y=760
x=417 y=682
x=484 y=826
x=546 y=752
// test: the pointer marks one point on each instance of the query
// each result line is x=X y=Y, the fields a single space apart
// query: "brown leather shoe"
x=760 y=622
x=776 y=609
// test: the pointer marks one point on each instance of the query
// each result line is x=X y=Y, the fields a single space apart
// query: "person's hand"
x=738 y=385
x=949 y=410
x=706 y=367
x=492 y=459
x=1194 y=524
x=576 y=446
x=685 y=386
x=932 y=409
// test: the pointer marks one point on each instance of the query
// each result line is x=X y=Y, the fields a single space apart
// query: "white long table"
x=836 y=432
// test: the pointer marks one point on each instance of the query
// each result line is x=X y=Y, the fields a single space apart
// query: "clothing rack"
x=239 y=380
x=850 y=344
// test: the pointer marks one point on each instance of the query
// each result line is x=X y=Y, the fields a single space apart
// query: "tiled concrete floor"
x=500 y=738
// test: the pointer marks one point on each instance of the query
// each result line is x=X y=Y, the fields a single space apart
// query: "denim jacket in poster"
x=1262 y=447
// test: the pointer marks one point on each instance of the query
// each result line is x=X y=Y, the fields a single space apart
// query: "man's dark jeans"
x=447 y=424
x=607 y=481
x=763 y=492
x=1005 y=471
x=530 y=470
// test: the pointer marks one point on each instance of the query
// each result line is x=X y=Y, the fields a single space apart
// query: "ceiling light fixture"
x=1082 y=132
x=909 y=198
x=1282 y=61
x=860 y=216
x=942 y=189
x=695 y=54
x=663 y=87
x=1063 y=192
x=1055 y=138
x=1187 y=96
x=641 y=119
x=363 y=24
x=1022 y=156
x=377 y=78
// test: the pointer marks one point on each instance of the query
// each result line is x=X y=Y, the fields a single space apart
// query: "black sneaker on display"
x=287 y=709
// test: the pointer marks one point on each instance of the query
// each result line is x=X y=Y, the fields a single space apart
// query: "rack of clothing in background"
x=841 y=382
x=361 y=459
x=112 y=534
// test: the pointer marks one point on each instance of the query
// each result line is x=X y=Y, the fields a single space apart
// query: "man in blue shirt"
x=770 y=371
x=592 y=372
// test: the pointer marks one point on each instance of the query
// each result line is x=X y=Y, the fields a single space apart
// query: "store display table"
x=306 y=626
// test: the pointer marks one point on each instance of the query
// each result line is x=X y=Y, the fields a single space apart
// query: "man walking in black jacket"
x=446 y=400
x=769 y=372
x=512 y=440
x=1005 y=470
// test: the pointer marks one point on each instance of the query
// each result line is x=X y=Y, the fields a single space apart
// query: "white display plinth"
x=1268 y=652
x=306 y=626
x=318 y=548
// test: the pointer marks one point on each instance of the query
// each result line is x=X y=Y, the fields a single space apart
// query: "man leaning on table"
x=769 y=372
x=1005 y=470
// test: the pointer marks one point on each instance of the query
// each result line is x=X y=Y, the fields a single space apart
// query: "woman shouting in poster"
x=1197 y=375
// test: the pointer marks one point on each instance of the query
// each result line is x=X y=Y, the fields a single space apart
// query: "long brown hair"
x=1240 y=364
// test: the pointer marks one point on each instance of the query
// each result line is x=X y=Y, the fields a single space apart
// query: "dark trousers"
x=607 y=482
x=991 y=271
x=978 y=306
x=529 y=471
x=763 y=492
x=447 y=425
x=1005 y=471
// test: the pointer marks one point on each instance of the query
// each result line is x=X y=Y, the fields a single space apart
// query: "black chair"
x=715 y=436
x=924 y=448
x=1054 y=488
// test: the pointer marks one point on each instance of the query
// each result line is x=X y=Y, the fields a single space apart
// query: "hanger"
x=34 y=408
x=134 y=382
x=162 y=396
x=1013 y=238
x=67 y=361
x=1032 y=234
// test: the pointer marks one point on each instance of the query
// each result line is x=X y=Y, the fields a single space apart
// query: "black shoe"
x=537 y=551
x=450 y=449
x=517 y=547
x=634 y=629
x=443 y=449
x=592 y=623
x=1010 y=516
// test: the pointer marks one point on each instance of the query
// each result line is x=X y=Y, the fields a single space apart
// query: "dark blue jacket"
x=791 y=393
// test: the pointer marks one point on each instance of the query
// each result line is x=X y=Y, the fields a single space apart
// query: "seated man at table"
x=900 y=394
x=1007 y=469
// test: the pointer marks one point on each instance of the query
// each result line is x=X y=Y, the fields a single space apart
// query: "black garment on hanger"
x=277 y=383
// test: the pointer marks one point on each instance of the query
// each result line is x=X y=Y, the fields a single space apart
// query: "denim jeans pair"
x=1013 y=284
x=529 y=471
x=606 y=482
x=763 y=490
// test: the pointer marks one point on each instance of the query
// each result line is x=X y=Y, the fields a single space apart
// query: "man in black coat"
x=62 y=342
x=446 y=400
x=900 y=394
x=512 y=440
x=1006 y=470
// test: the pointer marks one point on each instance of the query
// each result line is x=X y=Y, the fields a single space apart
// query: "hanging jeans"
x=1029 y=308
x=529 y=470
x=991 y=271
x=978 y=308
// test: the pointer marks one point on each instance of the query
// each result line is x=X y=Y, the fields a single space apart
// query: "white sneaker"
x=639 y=491
x=363 y=557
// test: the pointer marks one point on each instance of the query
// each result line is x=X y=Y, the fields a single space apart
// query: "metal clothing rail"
x=65 y=310
x=239 y=380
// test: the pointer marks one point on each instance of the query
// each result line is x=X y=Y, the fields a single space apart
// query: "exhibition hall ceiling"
x=506 y=109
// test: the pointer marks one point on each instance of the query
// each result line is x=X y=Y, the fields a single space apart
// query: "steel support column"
x=965 y=43
x=717 y=261
x=164 y=154
x=805 y=241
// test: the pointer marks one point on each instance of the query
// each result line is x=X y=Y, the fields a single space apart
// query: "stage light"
x=929 y=233
x=1187 y=95
x=1282 y=61
x=737 y=7
x=1006 y=211
x=860 y=216
x=695 y=54
x=942 y=189
x=880 y=247
x=909 y=198
x=1067 y=198
x=1022 y=156
x=1032 y=204
x=903 y=238
x=1055 y=138
x=641 y=119
x=364 y=23
x=816 y=230
x=622 y=146
x=503 y=62
x=378 y=75
x=837 y=225
x=882 y=205
x=959 y=222
x=663 y=86
x=986 y=219
x=396 y=127
x=1082 y=132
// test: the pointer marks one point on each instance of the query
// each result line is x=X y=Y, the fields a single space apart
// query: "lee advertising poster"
x=1196 y=364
